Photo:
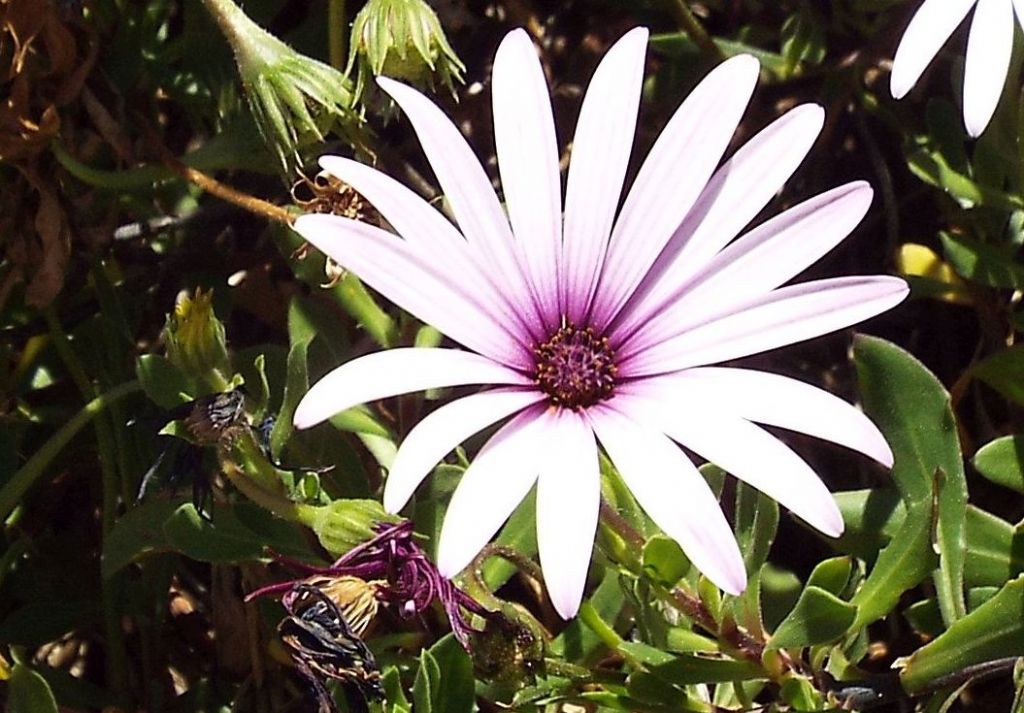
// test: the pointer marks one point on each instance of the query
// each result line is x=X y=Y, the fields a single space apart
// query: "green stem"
x=593 y=621
x=355 y=300
x=692 y=27
x=278 y=505
x=117 y=657
x=337 y=33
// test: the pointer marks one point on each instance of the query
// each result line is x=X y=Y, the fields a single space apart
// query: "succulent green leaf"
x=913 y=410
x=995 y=549
x=1004 y=372
x=162 y=381
x=982 y=263
x=831 y=575
x=818 y=618
x=664 y=560
x=993 y=631
x=1002 y=462
x=28 y=692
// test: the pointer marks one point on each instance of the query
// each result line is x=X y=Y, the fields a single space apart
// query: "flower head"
x=601 y=329
x=988 y=51
x=401 y=39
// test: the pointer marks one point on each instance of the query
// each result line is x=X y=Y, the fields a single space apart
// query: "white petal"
x=397 y=371
x=524 y=133
x=425 y=287
x=749 y=453
x=988 y=59
x=785 y=316
x=930 y=27
x=673 y=493
x=428 y=233
x=597 y=169
x=494 y=484
x=671 y=178
x=440 y=432
x=736 y=193
x=568 y=500
x=775 y=400
x=468 y=190
x=763 y=259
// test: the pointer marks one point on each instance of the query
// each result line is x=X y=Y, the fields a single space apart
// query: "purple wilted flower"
x=601 y=327
x=397 y=571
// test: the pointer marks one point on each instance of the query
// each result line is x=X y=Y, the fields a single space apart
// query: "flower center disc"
x=575 y=367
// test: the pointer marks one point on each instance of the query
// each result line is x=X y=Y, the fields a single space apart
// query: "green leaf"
x=454 y=689
x=800 y=693
x=163 y=382
x=300 y=333
x=803 y=38
x=913 y=410
x=577 y=642
x=982 y=263
x=137 y=533
x=931 y=167
x=28 y=692
x=687 y=669
x=831 y=575
x=1002 y=462
x=394 y=695
x=425 y=687
x=872 y=518
x=992 y=631
x=520 y=533
x=757 y=519
x=1004 y=372
x=995 y=549
x=225 y=539
x=664 y=560
x=818 y=618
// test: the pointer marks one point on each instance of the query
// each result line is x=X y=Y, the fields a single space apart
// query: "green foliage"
x=112 y=599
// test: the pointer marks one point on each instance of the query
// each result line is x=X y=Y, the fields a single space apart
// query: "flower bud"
x=296 y=100
x=401 y=39
x=344 y=524
x=196 y=344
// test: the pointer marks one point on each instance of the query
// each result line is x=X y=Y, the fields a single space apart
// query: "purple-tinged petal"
x=437 y=434
x=736 y=193
x=469 y=192
x=494 y=484
x=524 y=134
x=428 y=233
x=785 y=316
x=746 y=451
x=988 y=59
x=671 y=178
x=930 y=27
x=774 y=400
x=597 y=168
x=568 y=500
x=427 y=288
x=397 y=371
x=672 y=492
x=763 y=259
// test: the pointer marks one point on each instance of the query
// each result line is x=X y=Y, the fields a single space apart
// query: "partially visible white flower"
x=988 y=51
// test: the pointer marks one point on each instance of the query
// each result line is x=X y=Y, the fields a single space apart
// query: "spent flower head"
x=295 y=100
x=401 y=39
x=601 y=329
x=989 y=47
x=396 y=570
